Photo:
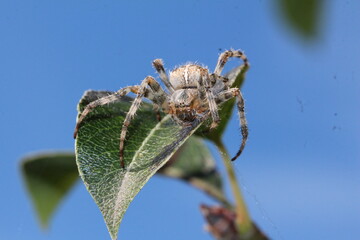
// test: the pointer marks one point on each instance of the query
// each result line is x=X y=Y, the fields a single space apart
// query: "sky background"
x=300 y=171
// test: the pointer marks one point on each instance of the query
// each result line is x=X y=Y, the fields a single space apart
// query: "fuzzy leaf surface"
x=192 y=163
x=148 y=146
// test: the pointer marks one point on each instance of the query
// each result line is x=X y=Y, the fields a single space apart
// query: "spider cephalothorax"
x=191 y=93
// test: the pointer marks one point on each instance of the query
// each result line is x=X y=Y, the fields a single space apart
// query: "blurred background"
x=300 y=171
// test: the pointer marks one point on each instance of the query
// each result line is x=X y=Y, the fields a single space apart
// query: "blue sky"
x=300 y=171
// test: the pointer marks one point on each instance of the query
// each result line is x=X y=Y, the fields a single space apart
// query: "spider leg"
x=224 y=57
x=158 y=96
x=206 y=80
x=100 y=102
x=220 y=83
x=223 y=97
x=157 y=110
x=219 y=77
x=158 y=100
x=200 y=87
x=159 y=66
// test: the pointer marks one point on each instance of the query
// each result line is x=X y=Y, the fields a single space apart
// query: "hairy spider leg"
x=206 y=80
x=224 y=57
x=158 y=114
x=201 y=88
x=158 y=100
x=159 y=67
x=223 y=97
x=214 y=77
x=159 y=97
x=100 y=102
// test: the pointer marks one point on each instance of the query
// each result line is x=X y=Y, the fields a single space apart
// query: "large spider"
x=191 y=93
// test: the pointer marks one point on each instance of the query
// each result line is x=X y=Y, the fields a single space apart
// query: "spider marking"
x=191 y=93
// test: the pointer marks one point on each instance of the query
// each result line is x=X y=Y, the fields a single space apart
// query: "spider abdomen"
x=186 y=76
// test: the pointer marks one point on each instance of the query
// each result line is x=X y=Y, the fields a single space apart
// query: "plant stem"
x=243 y=220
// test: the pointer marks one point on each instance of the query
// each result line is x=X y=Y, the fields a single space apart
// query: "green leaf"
x=194 y=164
x=148 y=147
x=302 y=16
x=237 y=76
x=48 y=178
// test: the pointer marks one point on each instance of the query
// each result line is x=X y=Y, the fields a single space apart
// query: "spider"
x=191 y=93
